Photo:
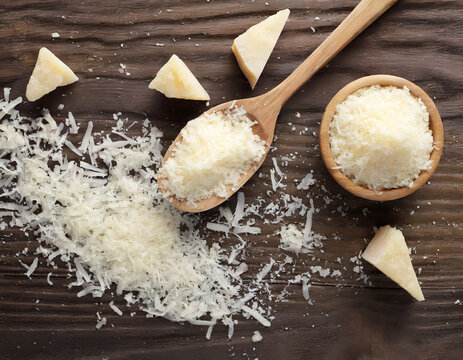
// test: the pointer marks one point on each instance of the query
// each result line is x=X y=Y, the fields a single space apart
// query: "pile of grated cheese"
x=103 y=214
x=216 y=150
x=98 y=209
x=380 y=137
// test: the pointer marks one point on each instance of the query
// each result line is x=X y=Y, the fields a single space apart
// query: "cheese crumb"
x=256 y=337
x=294 y=240
x=380 y=137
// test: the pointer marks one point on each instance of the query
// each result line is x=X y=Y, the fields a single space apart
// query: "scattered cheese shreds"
x=86 y=140
x=209 y=332
x=256 y=315
x=265 y=270
x=32 y=267
x=115 y=308
x=104 y=216
x=48 y=279
x=111 y=223
x=295 y=240
x=72 y=122
x=71 y=146
x=306 y=182
x=6 y=94
x=305 y=288
x=239 y=210
x=218 y=227
x=380 y=137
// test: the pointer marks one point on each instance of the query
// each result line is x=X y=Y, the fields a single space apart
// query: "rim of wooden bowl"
x=435 y=124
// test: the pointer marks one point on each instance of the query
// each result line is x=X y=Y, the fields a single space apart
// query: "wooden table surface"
x=420 y=40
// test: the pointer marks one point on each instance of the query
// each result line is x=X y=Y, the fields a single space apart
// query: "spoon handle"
x=358 y=20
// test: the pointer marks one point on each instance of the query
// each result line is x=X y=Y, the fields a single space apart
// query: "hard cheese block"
x=253 y=48
x=388 y=252
x=49 y=73
x=175 y=80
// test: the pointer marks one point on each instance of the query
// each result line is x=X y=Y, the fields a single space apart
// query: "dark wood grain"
x=417 y=39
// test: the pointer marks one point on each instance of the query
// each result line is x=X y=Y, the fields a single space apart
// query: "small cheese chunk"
x=256 y=337
x=253 y=48
x=175 y=80
x=388 y=252
x=49 y=73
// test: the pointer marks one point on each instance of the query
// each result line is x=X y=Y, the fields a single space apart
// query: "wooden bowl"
x=435 y=124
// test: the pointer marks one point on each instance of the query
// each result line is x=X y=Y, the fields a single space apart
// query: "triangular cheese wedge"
x=175 y=80
x=253 y=48
x=49 y=73
x=388 y=252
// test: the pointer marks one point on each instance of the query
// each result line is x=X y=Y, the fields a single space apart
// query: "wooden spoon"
x=264 y=109
x=435 y=124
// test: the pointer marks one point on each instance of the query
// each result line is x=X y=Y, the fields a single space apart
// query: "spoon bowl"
x=263 y=129
x=435 y=124
x=264 y=109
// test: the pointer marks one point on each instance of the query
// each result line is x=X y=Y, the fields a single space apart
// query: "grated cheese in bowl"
x=215 y=151
x=380 y=137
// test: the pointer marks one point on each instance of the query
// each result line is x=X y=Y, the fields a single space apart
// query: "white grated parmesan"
x=242 y=268
x=118 y=229
x=88 y=166
x=218 y=227
x=209 y=332
x=72 y=122
x=277 y=168
x=246 y=229
x=295 y=240
x=307 y=181
x=48 y=279
x=32 y=268
x=100 y=323
x=380 y=137
x=100 y=211
x=256 y=315
x=216 y=150
x=115 y=308
x=305 y=288
x=86 y=140
x=256 y=337
x=239 y=210
x=71 y=146
x=265 y=270
x=6 y=94
x=7 y=107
